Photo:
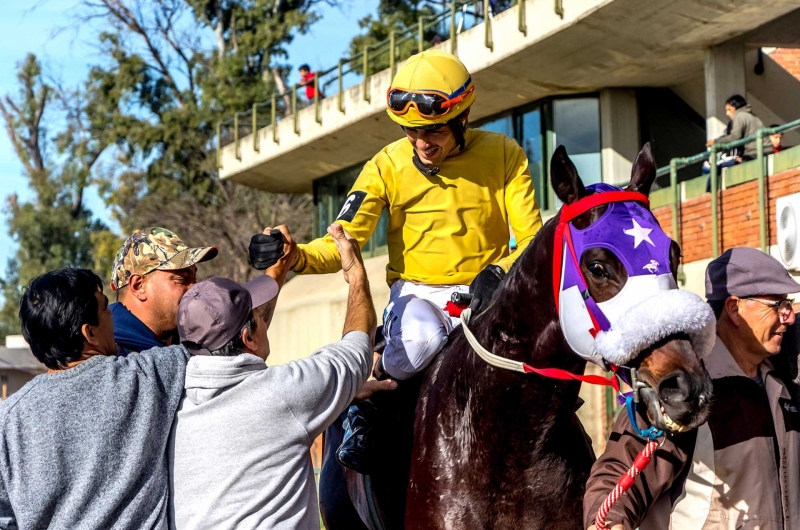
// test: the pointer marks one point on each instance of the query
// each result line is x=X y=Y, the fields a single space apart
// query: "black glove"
x=266 y=250
x=483 y=287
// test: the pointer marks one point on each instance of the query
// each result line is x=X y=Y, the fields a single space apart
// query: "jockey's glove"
x=266 y=250
x=484 y=286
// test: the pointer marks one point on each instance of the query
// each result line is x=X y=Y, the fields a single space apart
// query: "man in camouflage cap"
x=151 y=272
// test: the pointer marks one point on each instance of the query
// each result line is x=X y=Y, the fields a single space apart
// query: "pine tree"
x=54 y=229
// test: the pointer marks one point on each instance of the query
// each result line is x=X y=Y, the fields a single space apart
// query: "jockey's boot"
x=359 y=447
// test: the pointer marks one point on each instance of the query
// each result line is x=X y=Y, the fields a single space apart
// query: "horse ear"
x=643 y=173
x=564 y=177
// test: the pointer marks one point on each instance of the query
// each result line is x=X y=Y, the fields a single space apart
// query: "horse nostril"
x=675 y=388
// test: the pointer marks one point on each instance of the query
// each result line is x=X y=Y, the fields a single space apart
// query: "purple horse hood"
x=648 y=308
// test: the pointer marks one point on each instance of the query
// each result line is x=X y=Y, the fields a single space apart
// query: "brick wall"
x=789 y=59
x=737 y=216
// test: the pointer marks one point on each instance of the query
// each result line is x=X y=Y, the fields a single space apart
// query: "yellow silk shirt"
x=444 y=229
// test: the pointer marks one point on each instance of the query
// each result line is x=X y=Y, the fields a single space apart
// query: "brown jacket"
x=740 y=470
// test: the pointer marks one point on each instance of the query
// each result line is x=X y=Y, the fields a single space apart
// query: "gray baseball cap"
x=746 y=272
x=212 y=312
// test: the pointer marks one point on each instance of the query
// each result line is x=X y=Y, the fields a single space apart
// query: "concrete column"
x=724 y=77
x=619 y=131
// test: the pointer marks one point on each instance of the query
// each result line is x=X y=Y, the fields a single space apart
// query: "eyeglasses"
x=783 y=307
x=429 y=103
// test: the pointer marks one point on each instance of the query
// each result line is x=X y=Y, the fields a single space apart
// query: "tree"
x=164 y=93
x=403 y=15
x=54 y=229
x=399 y=15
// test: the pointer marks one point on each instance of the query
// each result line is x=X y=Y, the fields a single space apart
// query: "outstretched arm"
x=359 y=216
x=360 y=309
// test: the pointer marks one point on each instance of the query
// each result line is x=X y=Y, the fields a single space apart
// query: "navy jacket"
x=130 y=333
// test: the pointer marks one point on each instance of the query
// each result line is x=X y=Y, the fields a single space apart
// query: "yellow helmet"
x=432 y=87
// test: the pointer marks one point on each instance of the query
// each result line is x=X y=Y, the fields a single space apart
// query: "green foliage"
x=141 y=128
x=54 y=229
x=403 y=16
x=164 y=94
x=399 y=15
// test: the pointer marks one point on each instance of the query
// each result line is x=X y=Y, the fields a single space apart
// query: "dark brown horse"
x=502 y=450
x=499 y=449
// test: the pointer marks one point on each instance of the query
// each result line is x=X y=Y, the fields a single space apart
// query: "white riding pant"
x=416 y=326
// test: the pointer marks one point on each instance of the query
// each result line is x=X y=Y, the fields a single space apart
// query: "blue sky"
x=67 y=54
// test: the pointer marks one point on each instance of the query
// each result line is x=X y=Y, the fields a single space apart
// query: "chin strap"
x=425 y=170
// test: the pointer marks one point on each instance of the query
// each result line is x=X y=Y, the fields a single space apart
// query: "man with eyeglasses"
x=742 y=467
x=451 y=193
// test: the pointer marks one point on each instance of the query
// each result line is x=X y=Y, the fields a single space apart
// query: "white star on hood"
x=639 y=234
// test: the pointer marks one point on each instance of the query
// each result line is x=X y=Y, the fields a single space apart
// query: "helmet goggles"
x=429 y=103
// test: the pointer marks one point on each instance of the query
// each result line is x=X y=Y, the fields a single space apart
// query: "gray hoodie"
x=745 y=124
x=239 y=449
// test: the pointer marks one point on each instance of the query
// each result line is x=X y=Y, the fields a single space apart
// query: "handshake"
x=276 y=252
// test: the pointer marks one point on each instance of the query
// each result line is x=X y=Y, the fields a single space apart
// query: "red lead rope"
x=625 y=482
x=557 y=373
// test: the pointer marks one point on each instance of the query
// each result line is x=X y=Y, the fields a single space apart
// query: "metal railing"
x=365 y=63
x=711 y=155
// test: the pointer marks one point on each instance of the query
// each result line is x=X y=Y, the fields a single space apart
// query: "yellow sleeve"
x=359 y=216
x=523 y=212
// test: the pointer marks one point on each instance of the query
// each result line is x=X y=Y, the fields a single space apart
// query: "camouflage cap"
x=152 y=249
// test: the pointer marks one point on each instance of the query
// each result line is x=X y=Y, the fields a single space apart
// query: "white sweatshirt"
x=239 y=448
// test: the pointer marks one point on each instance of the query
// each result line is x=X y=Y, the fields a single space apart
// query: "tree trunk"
x=281 y=84
x=219 y=30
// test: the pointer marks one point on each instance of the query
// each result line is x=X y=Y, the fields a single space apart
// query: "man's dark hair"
x=235 y=346
x=717 y=306
x=304 y=67
x=736 y=101
x=774 y=125
x=52 y=311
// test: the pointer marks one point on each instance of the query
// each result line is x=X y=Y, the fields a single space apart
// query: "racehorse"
x=497 y=449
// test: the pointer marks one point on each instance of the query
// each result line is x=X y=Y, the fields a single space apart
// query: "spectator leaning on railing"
x=307 y=80
x=776 y=140
x=743 y=124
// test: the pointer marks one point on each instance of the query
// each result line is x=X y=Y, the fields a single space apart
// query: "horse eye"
x=597 y=270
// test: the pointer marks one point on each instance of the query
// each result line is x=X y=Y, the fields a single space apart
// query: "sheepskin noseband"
x=648 y=308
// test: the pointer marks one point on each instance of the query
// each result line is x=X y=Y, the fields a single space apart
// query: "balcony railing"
x=711 y=155
x=460 y=16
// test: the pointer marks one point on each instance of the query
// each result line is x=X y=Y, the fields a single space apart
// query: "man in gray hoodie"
x=239 y=450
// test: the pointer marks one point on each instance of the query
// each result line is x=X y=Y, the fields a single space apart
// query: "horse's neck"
x=522 y=324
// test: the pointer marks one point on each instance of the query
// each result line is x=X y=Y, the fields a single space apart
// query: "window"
x=576 y=124
x=532 y=141
x=675 y=129
x=504 y=125
x=541 y=127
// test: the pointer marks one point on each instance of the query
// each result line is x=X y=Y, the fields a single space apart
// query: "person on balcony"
x=743 y=124
x=451 y=193
x=307 y=80
x=776 y=140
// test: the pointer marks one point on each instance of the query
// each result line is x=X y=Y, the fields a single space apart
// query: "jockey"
x=451 y=194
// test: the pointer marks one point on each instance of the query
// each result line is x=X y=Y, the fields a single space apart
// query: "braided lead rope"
x=625 y=482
